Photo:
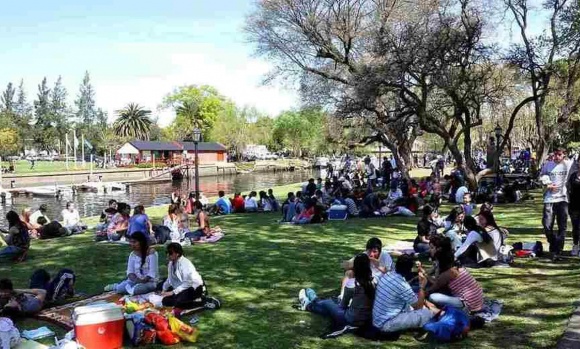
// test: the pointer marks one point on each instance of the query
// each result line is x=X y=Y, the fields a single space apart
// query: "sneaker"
x=310 y=294
x=303 y=299
x=575 y=251
x=211 y=303
x=110 y=287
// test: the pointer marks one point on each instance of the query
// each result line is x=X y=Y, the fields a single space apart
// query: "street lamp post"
x=196 y=139
x=498 y=134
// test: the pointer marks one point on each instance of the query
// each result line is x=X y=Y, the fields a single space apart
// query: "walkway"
x=571 y=337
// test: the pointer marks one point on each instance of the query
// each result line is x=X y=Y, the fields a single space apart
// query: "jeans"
x=331 y=309
x=408 y=320
x=555 y=212
x=10 y=251
x=455 y=239
x=185 y=299
x=421 y=247
x=575 y=218
x=442 y=300
x=121 y=288
x=288 y=212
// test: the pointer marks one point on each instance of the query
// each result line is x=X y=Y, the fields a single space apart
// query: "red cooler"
x=99 y=326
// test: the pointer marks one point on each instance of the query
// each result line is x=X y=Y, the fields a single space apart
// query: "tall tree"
x=85 y=102
x=133 y=122
x=45 y=134
x=21 y=106
x=7 y=99
x=58 y=96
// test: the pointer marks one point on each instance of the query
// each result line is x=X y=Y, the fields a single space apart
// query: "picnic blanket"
x=491 y=310
x=62 y=315
x=400 y=247
x=212 y=239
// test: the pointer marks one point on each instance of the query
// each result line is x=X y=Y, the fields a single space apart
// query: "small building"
x=171 y=152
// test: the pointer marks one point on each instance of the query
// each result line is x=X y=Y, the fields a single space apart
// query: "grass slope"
x=258 y=268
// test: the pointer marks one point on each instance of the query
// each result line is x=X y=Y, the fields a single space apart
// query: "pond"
x=153 y=194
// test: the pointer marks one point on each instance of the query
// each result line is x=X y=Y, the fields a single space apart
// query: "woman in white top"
x=71 y=219
x=172 y=222
x=184 y=285
x=251 y=205
x=485 y=236
x=142 y=268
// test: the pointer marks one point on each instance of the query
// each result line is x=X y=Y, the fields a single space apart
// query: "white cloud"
x=232 y=72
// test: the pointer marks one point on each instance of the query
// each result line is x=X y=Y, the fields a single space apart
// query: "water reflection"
x=151 y=194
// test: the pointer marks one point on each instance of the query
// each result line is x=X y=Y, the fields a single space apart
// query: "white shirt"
x=558 y=174
x=266 y=205
x=149 y=268
x=250 y=203
x=385 y=261
x=182 y=277
x=70 y=218
x=459 y=194
x=37 y=214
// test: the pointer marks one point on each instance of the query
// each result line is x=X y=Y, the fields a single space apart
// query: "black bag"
x=161 y=234
x=53 y=230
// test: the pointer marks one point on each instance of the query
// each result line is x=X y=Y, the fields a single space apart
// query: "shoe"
x=110 y=287
x=575 y=251
x=310 y=294
x=211 y=303
x=303 y=299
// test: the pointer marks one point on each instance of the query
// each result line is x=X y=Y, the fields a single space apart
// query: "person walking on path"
x=555 y=176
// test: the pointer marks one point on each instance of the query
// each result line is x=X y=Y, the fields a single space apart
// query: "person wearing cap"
x=41 y=212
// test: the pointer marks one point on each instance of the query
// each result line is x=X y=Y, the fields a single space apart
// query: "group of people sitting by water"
x=381 y=296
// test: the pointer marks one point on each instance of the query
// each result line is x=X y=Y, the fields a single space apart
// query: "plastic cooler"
x=99 y=326
x=337 y=212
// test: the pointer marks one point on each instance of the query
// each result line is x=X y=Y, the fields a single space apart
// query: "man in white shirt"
x=71 y=219
x=556 y=201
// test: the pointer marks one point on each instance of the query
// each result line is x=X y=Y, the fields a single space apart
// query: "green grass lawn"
x=23 y=166
x=259 y=267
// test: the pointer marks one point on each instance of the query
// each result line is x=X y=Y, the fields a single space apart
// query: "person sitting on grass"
x=397 y=307
x=251 y=204
x=142 y=268
x=264 y=203
x=454 y=226
x=17 y=240
x=118 y=227
x=184 y=283
x=140 y=222
x=238 y=203
x=426 y=227
x=107 y=215
x=483 y=243
x=33 y=227
x=381 y=262
x=41 y=212
x=289 y=208
x=203 y=226
x=223 y=205
x=171 y=221
x=467 y=205
x=71 y=219
x=350 y=203
x=20 y=302
x=466 y=293
x=273 y=201
x=355 y=311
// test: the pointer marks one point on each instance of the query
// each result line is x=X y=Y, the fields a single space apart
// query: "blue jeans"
x=455 y=239
x=10 y=251
x=331 y=309
x=555 y=212
x=289 y=212
x=139 y=288
x=442 y=300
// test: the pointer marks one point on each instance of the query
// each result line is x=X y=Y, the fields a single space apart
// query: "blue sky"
x=135 y=51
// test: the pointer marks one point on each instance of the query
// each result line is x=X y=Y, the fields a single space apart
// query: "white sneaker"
x=303 y=299
x=574 y=250
x=110 y=287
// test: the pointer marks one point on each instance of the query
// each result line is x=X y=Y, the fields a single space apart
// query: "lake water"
x=153 y=194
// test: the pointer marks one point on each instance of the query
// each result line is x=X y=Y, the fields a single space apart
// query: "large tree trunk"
x=469 y=165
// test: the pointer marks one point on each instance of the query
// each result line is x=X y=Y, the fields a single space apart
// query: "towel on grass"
x=400 y=247
x=491 y=310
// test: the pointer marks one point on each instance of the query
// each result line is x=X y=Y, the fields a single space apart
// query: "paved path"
x=571 y=337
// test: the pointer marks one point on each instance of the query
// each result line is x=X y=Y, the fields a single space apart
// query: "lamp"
x=197 y=134
x=196 y=139
x=498 y=132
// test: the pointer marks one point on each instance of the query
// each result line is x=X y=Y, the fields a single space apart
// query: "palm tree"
x=133 y=122
x=189 y=110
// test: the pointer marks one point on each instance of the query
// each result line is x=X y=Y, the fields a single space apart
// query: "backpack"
x=452 y=325
x=61 y=286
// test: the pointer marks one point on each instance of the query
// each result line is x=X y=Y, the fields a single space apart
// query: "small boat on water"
x=52 y=191
x=102 y=186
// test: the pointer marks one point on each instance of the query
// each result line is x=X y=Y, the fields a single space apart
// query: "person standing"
x=574 y=209
x=556 y=201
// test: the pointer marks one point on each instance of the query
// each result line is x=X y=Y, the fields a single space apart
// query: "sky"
x=136 y=51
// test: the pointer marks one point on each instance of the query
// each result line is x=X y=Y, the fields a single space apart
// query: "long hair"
x=139 y=209
x=13 y=219
x=455 y=212
x=363 y=274
x=444 y=252
x=489 y=218
x=143 y=245
x=471 y=225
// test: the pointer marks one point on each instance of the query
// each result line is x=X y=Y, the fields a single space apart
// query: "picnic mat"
x=212 y=239
x=400 y=247
x=62 y=315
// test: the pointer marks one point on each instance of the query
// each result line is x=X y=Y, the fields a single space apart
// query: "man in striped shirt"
x=396 y=306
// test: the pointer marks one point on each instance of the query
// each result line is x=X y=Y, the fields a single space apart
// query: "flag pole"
x=83 y=148
x=75 y=146
x=66 y=144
